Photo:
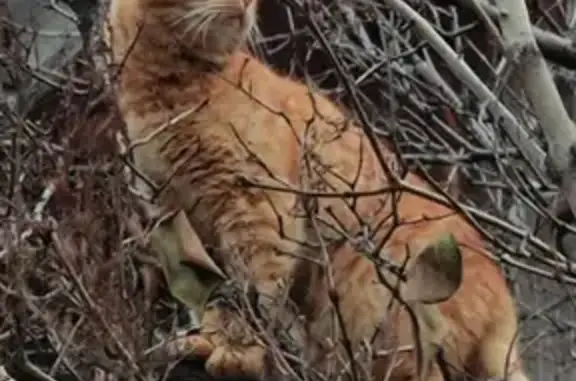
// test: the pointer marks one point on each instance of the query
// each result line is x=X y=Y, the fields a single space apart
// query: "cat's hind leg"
x=498 y=355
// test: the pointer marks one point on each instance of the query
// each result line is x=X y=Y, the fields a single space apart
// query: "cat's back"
x=258 y=99
x=255 y=112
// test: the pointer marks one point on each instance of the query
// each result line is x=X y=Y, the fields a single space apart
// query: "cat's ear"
x=436 y=273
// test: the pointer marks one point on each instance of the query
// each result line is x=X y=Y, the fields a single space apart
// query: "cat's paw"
x=228 y=344
x=237 y=361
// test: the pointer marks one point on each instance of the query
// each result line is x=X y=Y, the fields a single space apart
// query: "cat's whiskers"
x=192 y=25
x=196 y=27
x=194 y=12
x=204 y=28
x=219 y=6
x=201 y=17
x=198 y=19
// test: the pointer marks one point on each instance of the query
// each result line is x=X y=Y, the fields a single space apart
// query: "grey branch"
x=538 y=83
x=561 y=50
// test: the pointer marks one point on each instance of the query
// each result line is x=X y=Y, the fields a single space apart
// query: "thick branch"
x=560 y=132
x=558 y=49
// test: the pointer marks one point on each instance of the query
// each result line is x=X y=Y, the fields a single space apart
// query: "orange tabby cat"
x=207 y=120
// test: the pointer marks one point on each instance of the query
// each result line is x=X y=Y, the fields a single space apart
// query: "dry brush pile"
x=458 y=86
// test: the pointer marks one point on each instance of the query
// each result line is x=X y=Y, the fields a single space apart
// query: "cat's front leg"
x=228 y=344
x=256 y=239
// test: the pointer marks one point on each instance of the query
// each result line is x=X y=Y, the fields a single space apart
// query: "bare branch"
x=522 y=50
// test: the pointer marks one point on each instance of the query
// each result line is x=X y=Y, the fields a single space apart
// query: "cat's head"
x=210 y=29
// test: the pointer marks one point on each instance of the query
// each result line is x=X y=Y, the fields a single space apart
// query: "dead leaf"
x=436 y=273
x=177 y=245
